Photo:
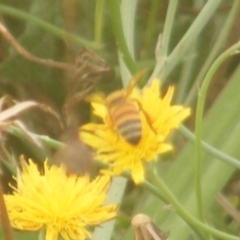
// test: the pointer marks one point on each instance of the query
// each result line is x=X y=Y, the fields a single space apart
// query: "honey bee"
x=124 y=112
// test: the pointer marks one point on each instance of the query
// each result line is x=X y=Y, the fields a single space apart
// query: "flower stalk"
x=197 y=225
x=198 y=123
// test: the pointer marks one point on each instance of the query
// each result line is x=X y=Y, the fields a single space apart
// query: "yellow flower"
x=158 y=119
x=58 y=203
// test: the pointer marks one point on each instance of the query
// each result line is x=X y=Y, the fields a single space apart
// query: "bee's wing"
x=145 y=229
x=75 y=156
x=135 y=79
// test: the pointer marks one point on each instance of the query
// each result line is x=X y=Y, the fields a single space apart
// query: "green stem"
x=162 y=47
x=221 y=39
x=52 y=143
x=151 y=188
x=186 y=76
x=198 y=171
x=160 y=190
x=37 y=151
x=150 y=29
x=168 y=27
x=195 y=223
x=119 y=36
x=162 y=70
x=45 y=25
x=211 y=150
x=99 y=23
x=198 y=122
x=42 y=234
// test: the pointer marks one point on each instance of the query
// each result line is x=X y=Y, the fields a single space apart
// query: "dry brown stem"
x=23 y=52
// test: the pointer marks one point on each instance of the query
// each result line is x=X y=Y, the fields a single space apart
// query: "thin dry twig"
x=15 y=110
x=23 y=52
x=228 y=208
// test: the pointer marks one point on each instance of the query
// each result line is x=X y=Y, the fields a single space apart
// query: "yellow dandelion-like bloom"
x=158 y=118
x=58 y=203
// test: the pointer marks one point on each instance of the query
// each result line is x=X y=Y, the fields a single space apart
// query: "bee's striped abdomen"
x=128 y=122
